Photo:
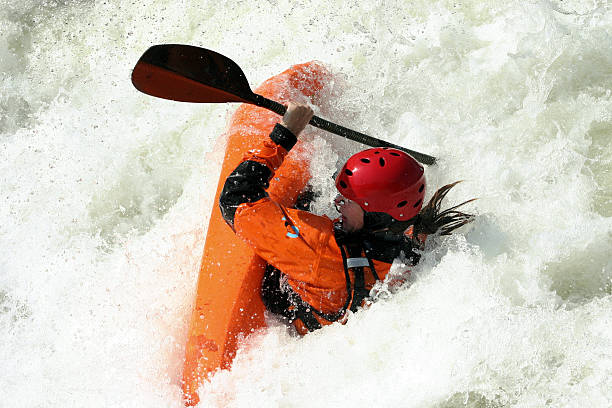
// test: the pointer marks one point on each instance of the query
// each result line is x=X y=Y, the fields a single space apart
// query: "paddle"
x=191 y=74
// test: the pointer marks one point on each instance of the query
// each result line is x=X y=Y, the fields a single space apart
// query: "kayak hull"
x=228 y=306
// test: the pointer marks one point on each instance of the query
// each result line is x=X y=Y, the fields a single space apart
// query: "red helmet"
x=384 y=180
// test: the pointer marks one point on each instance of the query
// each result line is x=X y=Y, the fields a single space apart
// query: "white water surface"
x=105 y=195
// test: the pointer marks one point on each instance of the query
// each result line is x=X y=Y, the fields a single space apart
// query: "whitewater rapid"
x=105 y=197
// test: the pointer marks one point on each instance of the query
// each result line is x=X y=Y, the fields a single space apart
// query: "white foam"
x=106 y=193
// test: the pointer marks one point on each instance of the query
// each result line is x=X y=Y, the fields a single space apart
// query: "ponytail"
x=431 y=220
x=428 y=221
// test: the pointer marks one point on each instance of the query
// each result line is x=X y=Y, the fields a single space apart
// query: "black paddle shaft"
x=193 y=74
x=342 y=131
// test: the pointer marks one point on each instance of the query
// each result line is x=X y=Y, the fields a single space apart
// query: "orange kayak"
x=228 y=305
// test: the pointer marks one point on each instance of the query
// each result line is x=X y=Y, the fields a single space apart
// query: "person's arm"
x=291 y=240
x=249 y=181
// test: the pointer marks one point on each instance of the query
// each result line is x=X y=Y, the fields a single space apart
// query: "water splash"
x=106 y=193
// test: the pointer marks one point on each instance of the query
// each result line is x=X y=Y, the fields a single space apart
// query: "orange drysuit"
x=303 y=246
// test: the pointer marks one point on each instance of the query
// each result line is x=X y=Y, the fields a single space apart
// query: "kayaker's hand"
x=297 y=117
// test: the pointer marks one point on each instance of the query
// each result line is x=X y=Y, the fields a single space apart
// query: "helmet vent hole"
x=417 y=204
x=343 y=184
x=348 y=172
x=382 y=162
x=365 y=160
x=421 y=188
x=403 y=203
x=377 y=152
x=394 y=154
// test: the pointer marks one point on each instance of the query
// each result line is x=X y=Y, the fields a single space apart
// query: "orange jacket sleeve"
x=297 y=242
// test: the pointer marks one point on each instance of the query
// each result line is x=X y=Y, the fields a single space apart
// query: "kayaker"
x=320 y=268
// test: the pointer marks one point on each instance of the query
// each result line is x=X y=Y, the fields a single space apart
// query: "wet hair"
x=429 y=220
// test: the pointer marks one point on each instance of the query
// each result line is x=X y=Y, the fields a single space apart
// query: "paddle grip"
x=344 y=132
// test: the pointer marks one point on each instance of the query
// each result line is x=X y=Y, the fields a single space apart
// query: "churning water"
x=105 y=194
